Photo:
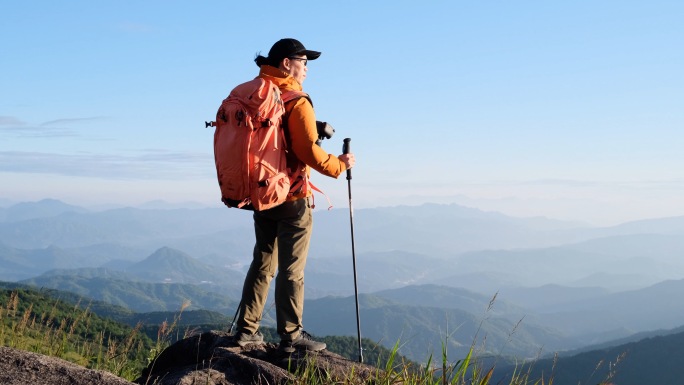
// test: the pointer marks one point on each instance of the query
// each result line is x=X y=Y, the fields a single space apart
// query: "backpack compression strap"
x=313 y=200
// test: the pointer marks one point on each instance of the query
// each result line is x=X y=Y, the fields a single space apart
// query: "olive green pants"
x=282 y=243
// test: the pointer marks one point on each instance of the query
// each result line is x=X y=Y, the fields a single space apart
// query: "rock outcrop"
x=18 y=367
x=212 y=358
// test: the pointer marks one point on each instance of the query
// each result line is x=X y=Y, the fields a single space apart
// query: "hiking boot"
x=303 y=342
x=243 y=339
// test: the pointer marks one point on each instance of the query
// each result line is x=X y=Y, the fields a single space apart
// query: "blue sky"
x=571 y=110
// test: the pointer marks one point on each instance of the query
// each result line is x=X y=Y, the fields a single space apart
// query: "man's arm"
x=303 y=134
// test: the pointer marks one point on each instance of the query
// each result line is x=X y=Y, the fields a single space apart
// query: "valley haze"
x=419 y=267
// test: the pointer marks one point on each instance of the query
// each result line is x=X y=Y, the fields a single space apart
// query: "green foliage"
x=32 y=320
x=348 y=347
x=395 y=370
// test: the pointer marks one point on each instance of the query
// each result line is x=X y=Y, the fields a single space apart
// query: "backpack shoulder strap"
x=289 y=96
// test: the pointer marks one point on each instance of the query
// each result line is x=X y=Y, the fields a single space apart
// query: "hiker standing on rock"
x=284 y=231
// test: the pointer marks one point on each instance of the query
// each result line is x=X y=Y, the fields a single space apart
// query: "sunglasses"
x=300 y=58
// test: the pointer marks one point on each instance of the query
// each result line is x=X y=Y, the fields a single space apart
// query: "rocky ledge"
x=18 y=367
x=212 y=358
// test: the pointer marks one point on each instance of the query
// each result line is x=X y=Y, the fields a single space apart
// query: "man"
x=283 y=232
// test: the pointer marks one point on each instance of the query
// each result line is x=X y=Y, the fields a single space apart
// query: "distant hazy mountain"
x=396 y=246
x=546 y=296
x=652 y=360
x=166 y=265
x=375 y=270
x=147 y=229
x=41 y=209
x=427 y=229
x=670 y=225
x=136 y=295
x=492 y=271
x=667 y=246
x=454 y=298
x=438 y=230
x=655 y=307
x=567 y=265
x=164 y=205
x=170 y=265
x=421 y=330
x=557 y=328
x=17 y=264
x=89 y=273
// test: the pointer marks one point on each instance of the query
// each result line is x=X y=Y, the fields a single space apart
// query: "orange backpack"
x=250 y=147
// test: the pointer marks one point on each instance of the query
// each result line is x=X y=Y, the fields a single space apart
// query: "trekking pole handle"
x=346 y=148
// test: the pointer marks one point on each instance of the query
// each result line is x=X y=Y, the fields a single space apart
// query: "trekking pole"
x=345 y=150
x=232 y=324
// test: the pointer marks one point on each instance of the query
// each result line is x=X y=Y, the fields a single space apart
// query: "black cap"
x=286 y=48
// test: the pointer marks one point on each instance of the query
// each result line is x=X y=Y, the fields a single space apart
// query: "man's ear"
x=286 y=64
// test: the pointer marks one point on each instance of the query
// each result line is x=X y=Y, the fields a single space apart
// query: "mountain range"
x=425 y=272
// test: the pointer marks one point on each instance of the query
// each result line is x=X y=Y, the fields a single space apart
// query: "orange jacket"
x=301 y=126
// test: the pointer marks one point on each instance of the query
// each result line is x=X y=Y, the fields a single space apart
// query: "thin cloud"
x=58 y=128
x=594 y=183
x=10 y=121
x=27 y=131
x=167 y=165
x=68 y=121
x=560 y=182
